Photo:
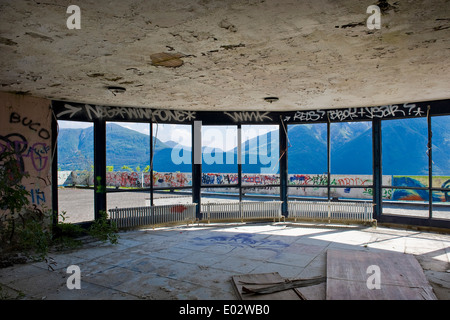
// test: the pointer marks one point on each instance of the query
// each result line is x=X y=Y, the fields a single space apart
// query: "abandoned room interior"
x=232 y=150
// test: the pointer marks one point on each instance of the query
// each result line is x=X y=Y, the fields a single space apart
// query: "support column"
x=430 y=165
x=197 y=165
x=151 y=163
x=377 y=169
x=239 y=160
x=99 y=167
x=328 y=160
x=282 y=130
x=54 y=171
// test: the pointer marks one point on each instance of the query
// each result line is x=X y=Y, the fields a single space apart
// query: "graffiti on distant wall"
x=172 y=179
x=310 y=185
x=219 y=178
x=127 y=179
x=320 y=181
x=420 y=195
x=261 y=179
x=446 y=185
x=124 y=179
x=232 y=178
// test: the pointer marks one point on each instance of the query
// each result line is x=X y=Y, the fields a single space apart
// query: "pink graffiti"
x=352 y=181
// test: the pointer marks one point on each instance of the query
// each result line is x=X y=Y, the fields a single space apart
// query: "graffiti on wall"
x=126 y=113
x=420 y=182
x=172 y=179
x=345 y=183
x=347 y=114
x=29 y=124
x=124 y=179
x=86 y=112
x=38 y=152
x=261 y=179
x=219 y=178
x=25 y=135
x=446 y=185
x=248 y=116
x=310 y=185
x=127 y=179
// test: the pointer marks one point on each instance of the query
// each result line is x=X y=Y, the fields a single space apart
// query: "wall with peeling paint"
x=25 y=130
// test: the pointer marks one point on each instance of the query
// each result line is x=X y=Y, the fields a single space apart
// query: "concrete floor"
x=197 y=262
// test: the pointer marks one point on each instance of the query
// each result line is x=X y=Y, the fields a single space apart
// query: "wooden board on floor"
x=401 y=276
x=261 y=280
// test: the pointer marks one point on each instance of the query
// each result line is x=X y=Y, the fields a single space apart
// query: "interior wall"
x=25 y=129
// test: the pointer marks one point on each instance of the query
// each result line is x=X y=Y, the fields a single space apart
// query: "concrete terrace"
x=197 y=261
x=79 y=203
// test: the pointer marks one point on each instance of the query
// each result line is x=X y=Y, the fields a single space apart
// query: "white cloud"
x=62 y=124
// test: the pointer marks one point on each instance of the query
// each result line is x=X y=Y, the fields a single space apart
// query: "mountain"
x=75 y=149
x=124 y=147
x=307 y=148
x=404 y=150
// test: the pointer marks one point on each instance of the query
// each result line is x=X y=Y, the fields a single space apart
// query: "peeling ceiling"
x=227 y=55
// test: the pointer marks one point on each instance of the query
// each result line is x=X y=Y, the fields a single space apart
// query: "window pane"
x=404 y=148
x=440 y=127
x=76 y=171
x=172 y=147
x=127 y=154
x=166 y=197
x=260 y=155
x=307 y=153
x=309 y=193
x=405 y=160
x=441 y=160
x=172 y=164
x=261 y=193
x=75 y=204
x=351 y=153
x=219 y=195
x=350 y=193
x=127 y=199
x=400 y=205
x=441 y=210
x=219 y=155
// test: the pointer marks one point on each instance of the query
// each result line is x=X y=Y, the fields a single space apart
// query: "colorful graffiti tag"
x=309 y=185
x=127 y=179
x=320 y=181
x=419 y=195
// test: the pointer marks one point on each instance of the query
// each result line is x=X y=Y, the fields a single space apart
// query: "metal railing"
x=155 y=215
x=242 y=211
x=245 y=210
x=331 y=211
